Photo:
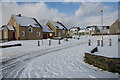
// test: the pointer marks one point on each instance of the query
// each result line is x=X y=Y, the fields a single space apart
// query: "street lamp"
x=102 y=26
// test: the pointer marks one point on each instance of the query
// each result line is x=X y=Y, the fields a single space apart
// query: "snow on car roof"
x=46 y=28
x=26 y=21
x=57 y=25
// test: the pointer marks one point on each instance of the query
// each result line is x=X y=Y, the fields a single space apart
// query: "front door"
x=13 y=35
x=45 y=36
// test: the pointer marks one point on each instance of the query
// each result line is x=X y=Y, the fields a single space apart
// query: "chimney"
x=19 y=15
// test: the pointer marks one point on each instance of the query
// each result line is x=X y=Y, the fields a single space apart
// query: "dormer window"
x=36 y=25
x=30 y=29
x=63 y=31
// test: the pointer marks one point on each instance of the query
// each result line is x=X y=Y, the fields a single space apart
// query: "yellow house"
x=8 y=32
x=59 y=29
x=25 y=28
x=47 y=31
x=1 y=33
x=115 y=27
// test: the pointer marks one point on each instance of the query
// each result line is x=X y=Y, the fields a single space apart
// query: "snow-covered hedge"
x=105 y=63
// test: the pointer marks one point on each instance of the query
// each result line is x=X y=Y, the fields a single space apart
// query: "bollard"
x=89 y=42
x=98 y=42
x=59 y=41
x=49 y=42
x=101 y=43
x=66 y=39
x=38 y=43
x=110 y=42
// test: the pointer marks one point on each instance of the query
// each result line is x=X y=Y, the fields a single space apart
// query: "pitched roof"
x=58 y=25
x=104 y=27
x=46 y=28
x=62 y=25
x=11 y=28
x=1 y=29
x=26 y=21
x=82 y=30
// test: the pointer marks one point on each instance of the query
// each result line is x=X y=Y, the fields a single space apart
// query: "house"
x=74 y=31
x=59 y=29
x=1 y=33
x=115 y=27
x=47 y=32
x=92 y=30
x=82 y=31
x=8 y=32
x=104 y=29
x=23 y=28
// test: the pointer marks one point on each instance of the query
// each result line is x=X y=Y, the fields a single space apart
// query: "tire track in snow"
x=8 y=67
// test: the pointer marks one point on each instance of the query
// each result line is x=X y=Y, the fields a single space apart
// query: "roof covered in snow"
x=1 y=29
x=26 y=21
x=11 y=28
x=58 y=25
x=46 y=28
x=82 y=30
x=103 y=27
x=92 y=28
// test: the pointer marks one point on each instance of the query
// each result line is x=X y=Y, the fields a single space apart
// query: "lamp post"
x=102 y=26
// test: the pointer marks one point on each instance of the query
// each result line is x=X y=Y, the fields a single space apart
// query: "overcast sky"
x=71 y=14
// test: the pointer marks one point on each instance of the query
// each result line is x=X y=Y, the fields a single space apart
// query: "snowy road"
x=13 y=67
x=21 y=66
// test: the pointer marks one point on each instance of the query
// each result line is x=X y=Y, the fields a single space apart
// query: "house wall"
x=52 y=27
x=61 y=33
x=1 y=35
x=5 y=32
x=30 y=35
x=115 y=28
x=92 y=32
x=10 y=35
x=47 y=33
x=11 y=23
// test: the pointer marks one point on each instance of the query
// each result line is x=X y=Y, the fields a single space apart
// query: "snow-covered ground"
x=106 y=50
x=58 y=61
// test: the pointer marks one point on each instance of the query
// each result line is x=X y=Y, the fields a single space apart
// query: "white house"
x=74 y=30
x=104 y=29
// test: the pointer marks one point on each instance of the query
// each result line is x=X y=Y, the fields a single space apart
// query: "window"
x=30 y=29
x=23 y=33
x=36 y=25
x=59 y=34
x=63 y=31
x=38 y=33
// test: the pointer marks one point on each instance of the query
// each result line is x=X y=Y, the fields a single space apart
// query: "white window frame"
x=30 y=29
x=23 y=33
x=59 y=34
x=63 y=31
x=38 y=33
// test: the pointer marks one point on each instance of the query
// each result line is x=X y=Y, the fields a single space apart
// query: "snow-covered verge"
x=65 y=61
x=106 y=50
